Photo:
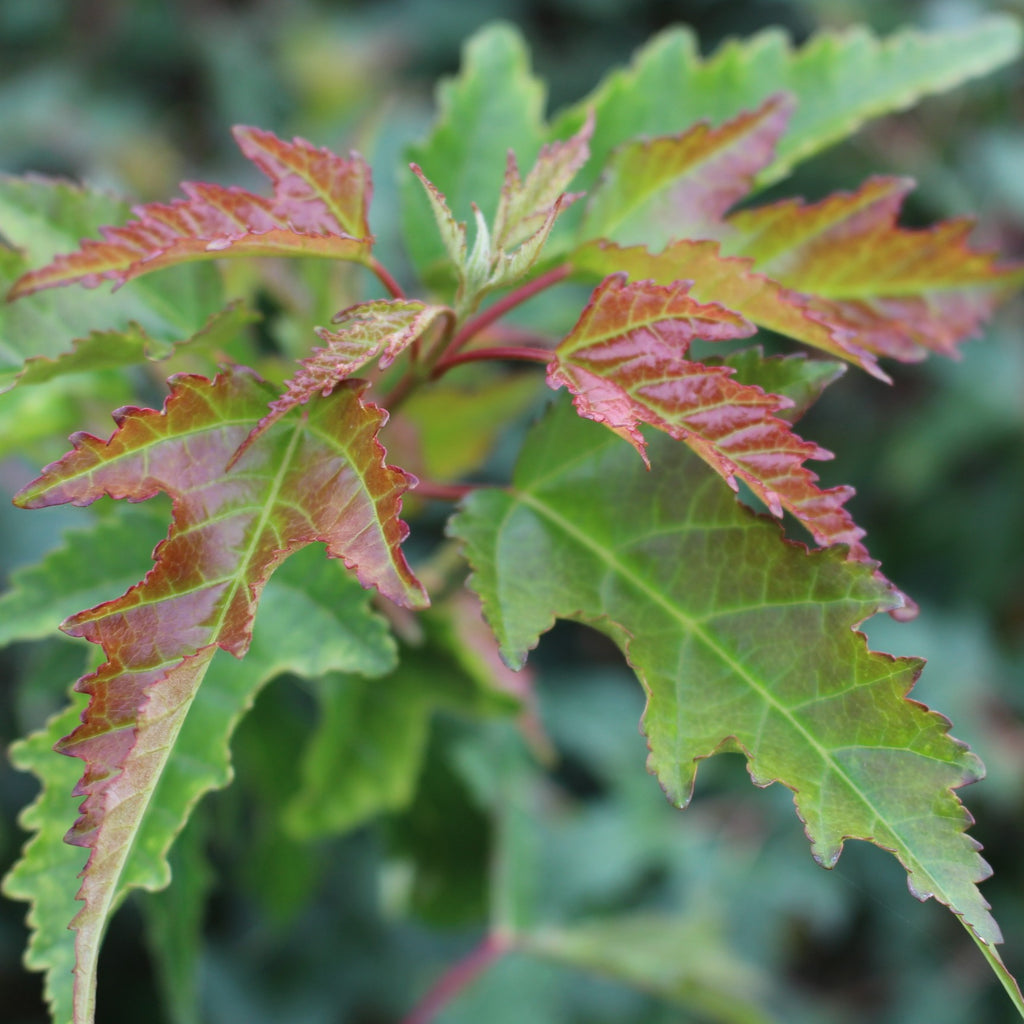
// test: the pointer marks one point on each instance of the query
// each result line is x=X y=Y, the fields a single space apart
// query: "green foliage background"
x=139 y=96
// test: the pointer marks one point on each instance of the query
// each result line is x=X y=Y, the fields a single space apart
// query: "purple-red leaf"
x=318 y=208
x=321 y=478
x=626 y=363
x=670 y=187
x=898 y=292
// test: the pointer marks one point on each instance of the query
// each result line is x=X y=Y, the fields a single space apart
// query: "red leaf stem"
x=384 y=276
x=523 y=353
x=458 y=977
x=515 y=298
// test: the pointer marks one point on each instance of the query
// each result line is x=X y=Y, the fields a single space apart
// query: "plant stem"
x=385 y=278
x=473 y=327
x=457 y=977
x=534 y=355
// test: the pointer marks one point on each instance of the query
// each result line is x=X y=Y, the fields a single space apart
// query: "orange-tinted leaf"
x=318 y=209
x=626 y=363
x=322 y=478
x=900 y=293
x=733 y=282
x=659 y=190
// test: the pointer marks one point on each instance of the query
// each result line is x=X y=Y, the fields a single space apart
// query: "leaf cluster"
x=285 y=499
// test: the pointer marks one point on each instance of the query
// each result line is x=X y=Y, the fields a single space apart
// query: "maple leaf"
x=741 y=641
x=901 y=293
x=732 y=281
x=840 y=81
x=322 y=479
x=680 y=186
x=626 y=363
x=318 y=209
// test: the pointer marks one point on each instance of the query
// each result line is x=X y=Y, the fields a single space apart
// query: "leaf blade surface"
x=740 y=642
x=318 y=209
x=322 y=480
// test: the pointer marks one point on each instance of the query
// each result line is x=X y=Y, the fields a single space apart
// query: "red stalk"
x=458 y=977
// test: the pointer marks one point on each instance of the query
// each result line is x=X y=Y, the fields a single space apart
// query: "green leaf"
x=42 y=595
x=372 y=733
x=46 y=872
x=741 y=642
x=494 y=105
x=103 y=350
x=840 y=80
x=801 y=380
x=173 y=920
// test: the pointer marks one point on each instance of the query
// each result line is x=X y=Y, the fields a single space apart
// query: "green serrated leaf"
x=104 y=350
x=42 y=595
x=797 y=378
x=741 y=642
x=839 y=79
x=45 y=875
x=366 y=754
x=494 y=105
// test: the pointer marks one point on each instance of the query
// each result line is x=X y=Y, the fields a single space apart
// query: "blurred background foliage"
x=140 y=95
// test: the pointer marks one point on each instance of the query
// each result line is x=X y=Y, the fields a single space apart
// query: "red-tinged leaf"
x=733 y=282
x=383 y=327
x=322 y=478
x=901 y=293
x=625 y=363
x=659 y=190
x=318 y=209
x=525 y=206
